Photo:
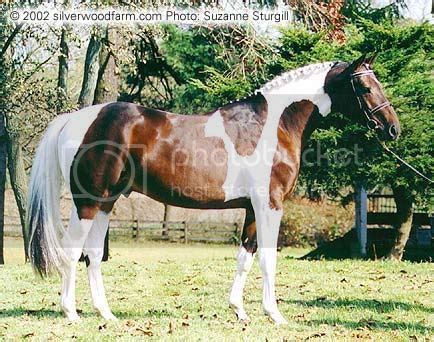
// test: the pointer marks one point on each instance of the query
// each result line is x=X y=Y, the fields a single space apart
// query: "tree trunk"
x=107 y=85
x=18 y=179
x=5 y=42
x=3 y=154
x=404 y=206
x=90 y=76
x=62 y=90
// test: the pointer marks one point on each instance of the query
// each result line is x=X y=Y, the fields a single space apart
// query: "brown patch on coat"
x=295 y=126
x=244 y=121
x=97 y=169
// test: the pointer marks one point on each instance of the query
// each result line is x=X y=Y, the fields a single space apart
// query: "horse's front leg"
x=245 y=258
x=268 y=224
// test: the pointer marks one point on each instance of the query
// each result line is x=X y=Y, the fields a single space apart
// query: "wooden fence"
x=380 y=210
x=184 y=231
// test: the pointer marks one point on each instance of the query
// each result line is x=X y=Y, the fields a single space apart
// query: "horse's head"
x=355 y=90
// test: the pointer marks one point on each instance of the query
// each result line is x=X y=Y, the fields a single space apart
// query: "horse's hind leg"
x=72 y=244
x=93 y=251
x=246 y=255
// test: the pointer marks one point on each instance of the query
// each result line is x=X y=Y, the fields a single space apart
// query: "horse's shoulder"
x=252 y=110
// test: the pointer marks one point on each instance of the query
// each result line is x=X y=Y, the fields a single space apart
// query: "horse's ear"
x=355 y=64
x=371 y=59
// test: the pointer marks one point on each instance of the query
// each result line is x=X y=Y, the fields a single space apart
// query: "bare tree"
x=91 y=67
x=3 y=154
x=62 y=77
x=7 y=36
x=107 y=86
x=18 y=177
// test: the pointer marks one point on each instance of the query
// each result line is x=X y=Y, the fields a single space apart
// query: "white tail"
x=44 y=222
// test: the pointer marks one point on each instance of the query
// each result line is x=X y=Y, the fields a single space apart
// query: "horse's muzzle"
x=393 y=132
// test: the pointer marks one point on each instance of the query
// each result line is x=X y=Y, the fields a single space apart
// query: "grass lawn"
x=175 y=291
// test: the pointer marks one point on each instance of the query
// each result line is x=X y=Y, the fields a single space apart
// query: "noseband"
x=369 y=112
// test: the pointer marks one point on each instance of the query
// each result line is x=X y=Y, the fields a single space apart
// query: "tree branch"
x=10 y=39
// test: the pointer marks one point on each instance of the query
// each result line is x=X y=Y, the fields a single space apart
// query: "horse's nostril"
x=392 y=131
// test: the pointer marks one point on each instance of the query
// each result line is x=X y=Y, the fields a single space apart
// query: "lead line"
x=405 y=163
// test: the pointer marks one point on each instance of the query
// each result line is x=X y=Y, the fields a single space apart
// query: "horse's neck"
x=299 y=121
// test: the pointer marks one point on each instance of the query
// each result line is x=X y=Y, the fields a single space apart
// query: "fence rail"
x=382 y=210
x=198 y=231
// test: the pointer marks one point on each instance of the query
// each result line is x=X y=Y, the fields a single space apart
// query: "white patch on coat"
x=72 y=135
x=250 y=175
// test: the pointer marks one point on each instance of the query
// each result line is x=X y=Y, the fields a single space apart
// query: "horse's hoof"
x=73 y=317
x=242 y=317
x=107 y=315
x=241 y=313
x=111 y=317
x=277 y=318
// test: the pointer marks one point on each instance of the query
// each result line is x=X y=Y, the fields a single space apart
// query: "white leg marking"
x=245 y=262
x=267 y=223
x=72 y=243
x=94 y=250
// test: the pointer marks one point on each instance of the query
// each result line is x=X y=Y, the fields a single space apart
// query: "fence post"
x=185 y=232
x=431 y=222
x=166 y=218
x=361 y=218
x=135 y=229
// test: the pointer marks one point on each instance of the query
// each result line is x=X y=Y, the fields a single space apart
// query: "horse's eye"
x=364 y=90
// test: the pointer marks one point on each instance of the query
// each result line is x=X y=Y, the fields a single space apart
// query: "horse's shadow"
x=373 y=304
x=57 y=313
x=21 y=311
x=378 y=305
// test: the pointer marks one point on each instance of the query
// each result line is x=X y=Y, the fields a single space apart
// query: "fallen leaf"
x=145 y=332
x=316 y=335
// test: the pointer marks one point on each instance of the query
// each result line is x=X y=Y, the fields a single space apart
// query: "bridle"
x=369 y=112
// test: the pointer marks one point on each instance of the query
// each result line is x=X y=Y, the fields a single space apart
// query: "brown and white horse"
x=243 y=155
